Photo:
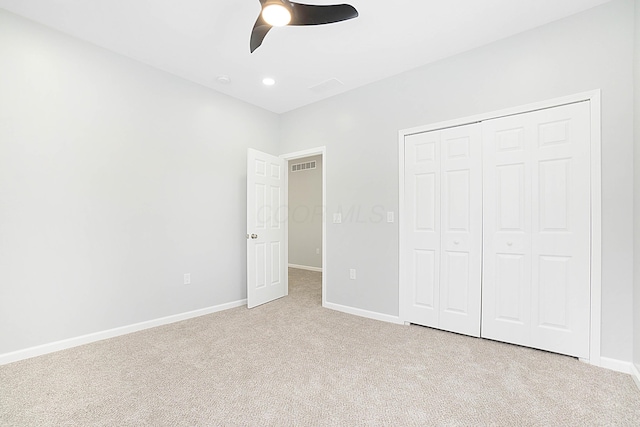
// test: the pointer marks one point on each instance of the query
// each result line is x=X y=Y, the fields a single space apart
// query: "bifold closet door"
x=536 y=285
x=421 y=251
x=443 y=235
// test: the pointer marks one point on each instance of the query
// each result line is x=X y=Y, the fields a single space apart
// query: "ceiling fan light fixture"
x=276 y=14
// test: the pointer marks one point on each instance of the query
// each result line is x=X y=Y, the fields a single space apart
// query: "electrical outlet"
x=317 y=251
x=187 y=278
x=337 y=218
x=352 y=274
x=390 y=217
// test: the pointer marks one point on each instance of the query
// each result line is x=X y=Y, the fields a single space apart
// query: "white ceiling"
x=200 y=40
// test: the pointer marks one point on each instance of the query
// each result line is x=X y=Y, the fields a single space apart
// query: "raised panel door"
x=461 y=235
x=536 y=284
x=560 y=300
x=421 y=296
x=507 y=231
x=443 y=231
x=266 y=275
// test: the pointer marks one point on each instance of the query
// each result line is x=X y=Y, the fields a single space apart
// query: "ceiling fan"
x=278 y=13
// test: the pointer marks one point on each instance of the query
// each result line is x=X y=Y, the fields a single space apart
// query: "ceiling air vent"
x=330 y=85
x=303 y=166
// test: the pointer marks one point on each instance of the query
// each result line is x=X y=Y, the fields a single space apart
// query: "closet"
x=495 y=229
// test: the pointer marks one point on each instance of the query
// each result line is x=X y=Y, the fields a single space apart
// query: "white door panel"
x=536 y=285
x=443 y=188
x=425 y=289
x=507 y=231
x=561 y=230
x=422 y=207
x=266 y=274
x=460 y=287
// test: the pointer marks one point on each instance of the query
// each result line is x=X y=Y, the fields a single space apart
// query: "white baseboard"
x=306 y=267
x=111 y=333
x=635 y=372
x=616 y=365
x=364 y=313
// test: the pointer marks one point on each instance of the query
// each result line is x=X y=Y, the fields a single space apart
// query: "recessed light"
x=268 y=81
x=225 y=80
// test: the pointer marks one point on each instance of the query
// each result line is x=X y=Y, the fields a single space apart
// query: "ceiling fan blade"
x=260 y=30
x=307 y=14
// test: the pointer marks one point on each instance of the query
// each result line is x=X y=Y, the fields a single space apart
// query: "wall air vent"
x=303 y=166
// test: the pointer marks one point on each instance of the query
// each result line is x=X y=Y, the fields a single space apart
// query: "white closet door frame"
x=596 y=200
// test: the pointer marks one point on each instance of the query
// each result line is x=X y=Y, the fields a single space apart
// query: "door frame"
x=594 y=97
x=318 y=151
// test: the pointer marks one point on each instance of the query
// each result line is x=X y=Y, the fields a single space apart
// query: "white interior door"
x=420 y=301
x=266 y=225
x=442 y=255
x=536 y=287
x=461 y=236
x=506 y=313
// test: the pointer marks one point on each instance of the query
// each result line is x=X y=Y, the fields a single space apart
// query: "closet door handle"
x=456 y=242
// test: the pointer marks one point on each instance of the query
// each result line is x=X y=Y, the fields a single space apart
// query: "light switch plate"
x=337 y=218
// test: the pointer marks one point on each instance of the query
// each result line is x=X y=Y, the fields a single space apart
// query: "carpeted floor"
x=293 y=363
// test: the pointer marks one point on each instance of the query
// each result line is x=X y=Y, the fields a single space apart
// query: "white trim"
x=111 y=333
x=304 y=153
x=402 y=315
x=305 y=267
x=615 y=365
x=596 y=198
x=596 y=230
x=364 y=313
x=550 y=103
x=318 y=151
x=635 y=373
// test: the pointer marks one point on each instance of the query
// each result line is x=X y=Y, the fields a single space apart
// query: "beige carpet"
x=293 y=363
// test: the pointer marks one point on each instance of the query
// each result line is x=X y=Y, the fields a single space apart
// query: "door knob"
x=254 y=236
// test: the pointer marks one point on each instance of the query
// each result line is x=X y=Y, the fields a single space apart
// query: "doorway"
x=306 y=225
x=268 y=223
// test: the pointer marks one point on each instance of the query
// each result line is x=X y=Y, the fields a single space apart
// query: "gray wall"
x=636 y=309
x=592 y=50
x=115 y=179
x=305 y=214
